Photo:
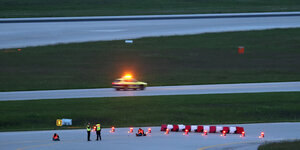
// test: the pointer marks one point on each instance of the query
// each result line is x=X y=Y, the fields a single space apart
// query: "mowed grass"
x=152 y=110
x=51 y=8
x=270 y=55
x=283 y=145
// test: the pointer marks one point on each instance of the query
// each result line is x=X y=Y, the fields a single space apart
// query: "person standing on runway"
x=88 y=129
x=98 y=131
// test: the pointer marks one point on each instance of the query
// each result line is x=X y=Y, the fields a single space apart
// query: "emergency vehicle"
x=127 y=82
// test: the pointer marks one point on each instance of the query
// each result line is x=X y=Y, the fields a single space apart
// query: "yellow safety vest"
x=88 y=128
x=98 y=127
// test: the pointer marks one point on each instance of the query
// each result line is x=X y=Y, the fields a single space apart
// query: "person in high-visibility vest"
x=140 y=132
x=98 y=131
x=55 y=137
x=88 y=129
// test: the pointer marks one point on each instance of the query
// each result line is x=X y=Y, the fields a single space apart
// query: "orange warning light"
x=262 y=135
x=167 y=131
x=127 y=76
x=205 y=132
x=243 y=134
x=58 y=122
x=186 y=131
x=112 y=129
x=130 y=130
x=223 y=133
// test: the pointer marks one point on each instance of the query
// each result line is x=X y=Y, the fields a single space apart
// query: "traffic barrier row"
x=200 y=128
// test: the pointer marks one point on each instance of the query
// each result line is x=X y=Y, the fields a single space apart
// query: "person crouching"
x=140 y=132
x=55 y=137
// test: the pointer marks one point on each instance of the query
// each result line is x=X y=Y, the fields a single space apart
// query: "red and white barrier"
x=226 y=129
x=219 y=129
x=199 y=128
x=169 y=126
x=188 y=127
x=175 y=128
x=206 y=128
x=212 y=129
x=181 y=127
x=232 y=130
x=239 y=130
x=163 y=127
x=193 y=128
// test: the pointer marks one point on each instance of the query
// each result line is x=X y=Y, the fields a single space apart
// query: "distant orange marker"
x=130 y=130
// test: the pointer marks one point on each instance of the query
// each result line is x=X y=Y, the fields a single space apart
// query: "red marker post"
x=241 y=50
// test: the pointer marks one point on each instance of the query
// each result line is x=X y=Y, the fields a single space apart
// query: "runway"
x=24 y=32
x=154 y=91
x=121 y=139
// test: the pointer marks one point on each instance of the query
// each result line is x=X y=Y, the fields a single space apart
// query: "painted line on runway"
x=218 y=145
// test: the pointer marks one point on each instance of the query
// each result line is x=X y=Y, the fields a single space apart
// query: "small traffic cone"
x=223 y=133
x=243 y=134
x=130 y=130
x=262 y=135
x=167 y=131
x=112 y=130
x=186 y=132
x=204 y=133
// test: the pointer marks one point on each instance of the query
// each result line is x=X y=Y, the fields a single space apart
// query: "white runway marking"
x=108 y=30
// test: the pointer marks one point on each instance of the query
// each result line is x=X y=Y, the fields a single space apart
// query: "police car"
x=127 y=82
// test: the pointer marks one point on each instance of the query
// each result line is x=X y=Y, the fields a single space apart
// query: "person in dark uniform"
x=55 y=137
x=98 y=131
x=88 y=129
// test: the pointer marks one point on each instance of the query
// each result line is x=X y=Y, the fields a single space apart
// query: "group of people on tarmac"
x=89 y=129
x=98 y=132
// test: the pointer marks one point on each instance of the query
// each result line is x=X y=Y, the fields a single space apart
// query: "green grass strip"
x=283 y=145
x=50 y=8
x=270 y=55
x=152 y=110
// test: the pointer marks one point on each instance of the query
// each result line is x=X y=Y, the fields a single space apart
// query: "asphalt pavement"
x=121 y=139
x=24 y=32
x=154 y=91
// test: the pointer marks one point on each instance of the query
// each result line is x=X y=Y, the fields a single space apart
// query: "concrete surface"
x=24 y=32
x=152 y=91
x=76 y=139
